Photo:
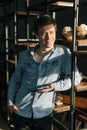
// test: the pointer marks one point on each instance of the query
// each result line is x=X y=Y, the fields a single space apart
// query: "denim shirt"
x=30 y=76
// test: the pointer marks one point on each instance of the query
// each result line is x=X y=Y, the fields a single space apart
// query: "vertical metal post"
x=27 y=22
x=76 y=13
x=72 y=103
x=7 y=72
x=15 y=22
x=15 y=30
x=15 y=27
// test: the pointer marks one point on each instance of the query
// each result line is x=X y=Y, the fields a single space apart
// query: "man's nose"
x=47 y=36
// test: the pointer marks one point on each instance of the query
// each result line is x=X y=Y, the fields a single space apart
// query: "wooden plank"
x=11 y=61
x=82 y=41
x=62 y=3
x=80 y=102
x=62 y=108
x=80 y=53
x=81 y=87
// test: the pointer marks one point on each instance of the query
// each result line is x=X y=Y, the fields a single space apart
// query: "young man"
x=33 y=85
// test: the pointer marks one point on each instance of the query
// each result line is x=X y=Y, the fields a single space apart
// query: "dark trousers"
x=22 y=123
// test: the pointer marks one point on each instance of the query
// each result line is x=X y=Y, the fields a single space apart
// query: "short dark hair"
x=43 y=20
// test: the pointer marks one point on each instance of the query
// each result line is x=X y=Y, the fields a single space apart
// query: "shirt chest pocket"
x=29 y=69
x=50 y=67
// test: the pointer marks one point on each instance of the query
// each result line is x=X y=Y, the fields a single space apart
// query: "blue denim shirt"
x=30 y=76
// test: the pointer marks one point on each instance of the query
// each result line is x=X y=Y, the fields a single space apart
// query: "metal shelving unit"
x=76 y=4
x=13 y=40
x=75 y=55
x=15 y=18
x=49 y=7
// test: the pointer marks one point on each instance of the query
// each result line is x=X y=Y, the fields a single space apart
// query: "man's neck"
x=43 y=51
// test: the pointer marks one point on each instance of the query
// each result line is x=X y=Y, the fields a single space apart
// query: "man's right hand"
x=13 y=108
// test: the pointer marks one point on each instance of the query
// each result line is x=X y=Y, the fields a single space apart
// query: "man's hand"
x=50 y=88
x=13 y=108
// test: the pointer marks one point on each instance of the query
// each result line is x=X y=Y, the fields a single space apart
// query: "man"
x=37 y=77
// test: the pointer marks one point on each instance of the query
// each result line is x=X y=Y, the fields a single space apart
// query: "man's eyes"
x=47 y=33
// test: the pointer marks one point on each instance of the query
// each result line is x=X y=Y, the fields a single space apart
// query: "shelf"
x=63 y=41
x=53 y=5
x=61 y=108
x=10 y=39
x=81 y=87
x=80 y=102
x=11 y=61
x=62 y=3
x=22 y=14
x=80 y=53
x=23 y=41
x=30 y=45
x=82 y=42
x=25 y=13
x=27 y=40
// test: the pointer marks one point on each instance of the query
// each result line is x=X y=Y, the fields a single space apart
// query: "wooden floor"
x=3 y=125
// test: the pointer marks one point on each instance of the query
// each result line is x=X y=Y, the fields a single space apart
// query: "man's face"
x=47 y=35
